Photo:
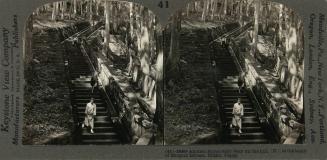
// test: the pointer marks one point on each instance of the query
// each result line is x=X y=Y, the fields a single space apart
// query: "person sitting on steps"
x=237 y=115
x=90 y=112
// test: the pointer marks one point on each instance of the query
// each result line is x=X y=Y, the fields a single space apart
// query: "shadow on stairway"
x=105 y=131
x=254 y=131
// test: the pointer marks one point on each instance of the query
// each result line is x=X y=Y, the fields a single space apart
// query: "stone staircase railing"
x=117 y=112
x=233 y=33
x=120 y=112
x=252 y=82
x=254 y=86
x=269 y=111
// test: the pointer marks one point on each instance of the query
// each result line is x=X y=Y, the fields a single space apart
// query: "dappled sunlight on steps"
x=227 y=75
x=105 y=132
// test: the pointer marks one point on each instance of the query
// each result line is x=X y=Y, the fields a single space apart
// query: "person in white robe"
x=90 y=113
x=237 y=115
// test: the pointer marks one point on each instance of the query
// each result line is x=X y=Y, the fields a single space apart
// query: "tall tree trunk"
x=198 y=6
x=280 y=23
x=188 y=10
x=114 y=19
x=37 y=11
x=159 y=113
x=63 y=9
x=248 y=8
x=264 y=13
x=131 y=20
x=213 y=9
x=91 y=12
x=279 y=39
x=256 y=25
x=75 y=7
x=55 y=10
x=173 y=57
x=225 y=7
x=204 y=10
x=207 y=9
x=53 y=15
x=81 y=8
x=131 y=31
x=241 y=13
x=107 y=29
x=287 y=32
x=221 y=9
x=97 y=7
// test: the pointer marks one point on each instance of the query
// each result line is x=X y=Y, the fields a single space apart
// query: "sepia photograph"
x=93 y=71
x=163 y=79
x=220 y=72
x=233 y=74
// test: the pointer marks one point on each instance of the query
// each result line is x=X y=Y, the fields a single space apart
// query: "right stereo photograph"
x=233 y=74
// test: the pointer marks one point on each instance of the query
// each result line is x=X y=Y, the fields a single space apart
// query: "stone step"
x=246 y=135
x=82 y=101
x=104 y=129
x=248 y=123
x=86 y=87
x=229 y=86
x=247 y=129
x=80 y=68
x=233 y=100
x=219 y=74
x=244 y=119
x=79 y=74
x=246 y=113
x=80 y=104
x=226 y=63
x=100 y=141
x=99 y=135
x=86 y=100
x=81 y=114
x=74 y=76
x=76 y=67
x=97 y=118
x=233 y=93
x=249 y=141
x=83 y=89
x=230 y=109
x=82 y=79
x=80 y=85
x=234 y=96
x=87 y=95
x=77 y=62
x=99 y=108
x=231 y=104
x=103 y=123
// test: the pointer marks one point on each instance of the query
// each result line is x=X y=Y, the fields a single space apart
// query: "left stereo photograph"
x=93 y=74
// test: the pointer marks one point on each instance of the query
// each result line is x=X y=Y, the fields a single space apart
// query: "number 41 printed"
x=163 y=4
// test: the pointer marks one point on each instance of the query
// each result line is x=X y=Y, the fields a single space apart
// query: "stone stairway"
x=105 y=133
x=251 y=128
x=227 y=75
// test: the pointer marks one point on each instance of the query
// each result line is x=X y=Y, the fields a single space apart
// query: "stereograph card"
x=163 y=79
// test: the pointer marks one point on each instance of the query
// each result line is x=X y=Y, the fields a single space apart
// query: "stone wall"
x=277 y=110
x=128 y=111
